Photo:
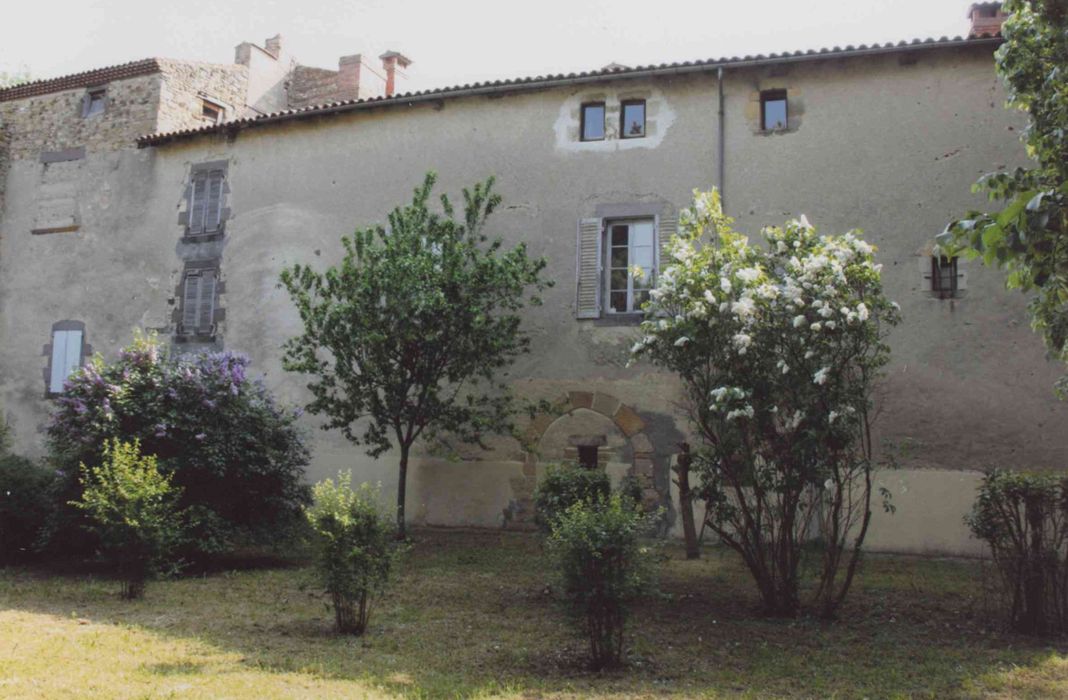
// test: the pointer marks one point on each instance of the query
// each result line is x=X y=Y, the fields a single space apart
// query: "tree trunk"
x=682 y=472
x=402 y=483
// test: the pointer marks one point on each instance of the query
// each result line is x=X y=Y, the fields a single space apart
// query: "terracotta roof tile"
x=97 y=76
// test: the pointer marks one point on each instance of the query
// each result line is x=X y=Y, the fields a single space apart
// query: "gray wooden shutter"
x=198 y=205
x=213 y=208
x=190 y=301
x=588 y=269
x=206 y=303
x=667 y=226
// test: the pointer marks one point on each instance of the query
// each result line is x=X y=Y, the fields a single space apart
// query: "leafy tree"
x=406 y=334
x=604 y=566
x=8 y=79
x=132 y=506
x=778 y=349
x=356 y=548
x=1028 y=237
x=237 y=457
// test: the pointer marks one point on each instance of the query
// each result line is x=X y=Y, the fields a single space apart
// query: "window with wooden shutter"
x=205 y=206
x=588 y=273
x=198 y=302
x=667 y=226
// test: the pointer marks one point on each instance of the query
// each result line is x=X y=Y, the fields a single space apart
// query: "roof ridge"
x=87 y=78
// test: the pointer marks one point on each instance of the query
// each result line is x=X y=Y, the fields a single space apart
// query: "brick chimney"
x=391 y=60
x=986 y=19
x=348 y=77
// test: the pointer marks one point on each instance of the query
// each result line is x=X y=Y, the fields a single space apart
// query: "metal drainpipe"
x=722 y=140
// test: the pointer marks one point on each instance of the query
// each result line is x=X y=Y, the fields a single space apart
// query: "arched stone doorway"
x=594 y=415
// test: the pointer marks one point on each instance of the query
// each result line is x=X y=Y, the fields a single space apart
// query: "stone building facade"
x=183 y=228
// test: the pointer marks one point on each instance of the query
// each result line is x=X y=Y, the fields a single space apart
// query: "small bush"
x=133 y=509
x=1024 y=520
x=25 y=505
x=564 y=486
x=356 y=548
x=596 y=544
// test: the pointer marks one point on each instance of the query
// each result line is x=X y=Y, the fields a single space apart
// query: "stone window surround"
x=187 y=198
x=795 y=106
x=613 y=102
x=46 y=350
x=218 y=312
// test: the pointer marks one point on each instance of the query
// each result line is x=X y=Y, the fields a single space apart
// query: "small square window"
x=94 y=102
x=587 y=456
x=944 y=276
x=632 y=119
x=593 y=121
x=773 y=110
x=211 y=112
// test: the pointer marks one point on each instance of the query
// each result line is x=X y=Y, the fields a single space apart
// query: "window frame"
x=87 y=101
x=940 y=271
x=208 y=103
x=623 y=120
x=606 y=265
x=774 y=95
x=582 y=120
x=84 y=351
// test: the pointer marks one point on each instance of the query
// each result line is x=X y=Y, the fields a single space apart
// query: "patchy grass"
x=473 y=615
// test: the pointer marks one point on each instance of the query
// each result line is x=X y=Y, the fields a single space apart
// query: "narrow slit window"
x=66 y=358
x=632 y=116
x=593 y=121
x=944 y=275
x=773 y=110
x=631 y=264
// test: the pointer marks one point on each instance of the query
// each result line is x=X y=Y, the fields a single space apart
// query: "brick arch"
x=520 y=512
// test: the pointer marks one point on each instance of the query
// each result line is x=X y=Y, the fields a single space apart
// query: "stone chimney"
x=391 y=60
x=348 y=77
x=273 y=45
x=986 y=19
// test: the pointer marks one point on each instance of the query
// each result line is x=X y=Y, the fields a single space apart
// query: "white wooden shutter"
x=588 y=269
x=206 y=303
x=213 y=207
x=198 y=203
x=667 y=226
x=190 y=301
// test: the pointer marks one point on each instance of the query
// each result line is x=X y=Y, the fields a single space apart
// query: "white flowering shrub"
x=778 y=347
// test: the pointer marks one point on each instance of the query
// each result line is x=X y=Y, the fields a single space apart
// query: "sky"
x=455 y=41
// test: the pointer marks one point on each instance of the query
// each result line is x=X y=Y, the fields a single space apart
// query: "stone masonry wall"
x=186 y=82
x=311 y=86
x=54 y=122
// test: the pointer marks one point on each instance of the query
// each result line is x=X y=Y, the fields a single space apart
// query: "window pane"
x=619 y=279
x=96 y=103
x=633 y=120
x=775 y=114
x=619 y=257
x=619 y=301
x=59 y=355
x=593 y=122
x=639 y=299
x=620 y=235
x=645 y=280
x=641 y=233
x=643 y=257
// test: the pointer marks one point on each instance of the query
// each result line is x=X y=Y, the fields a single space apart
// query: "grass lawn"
x=473 y=615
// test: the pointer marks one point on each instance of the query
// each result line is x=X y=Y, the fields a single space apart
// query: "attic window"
x=593 y=121
x=94 y=102
x=632 y=116
x=773 y=110
x=211 y=111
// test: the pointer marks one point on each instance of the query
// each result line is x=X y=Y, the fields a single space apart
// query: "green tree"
x=1028 y=236
x=132 y=505
x=778 y=348
x=405 y=336
x=8 y=79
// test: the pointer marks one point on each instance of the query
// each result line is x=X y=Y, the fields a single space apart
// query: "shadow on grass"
x=473 y=613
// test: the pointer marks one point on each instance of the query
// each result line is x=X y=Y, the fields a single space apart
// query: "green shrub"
x=562 y=486
x=356 y=548
x=25 y=505
x=603 y=564
x=132 y=507
x=1024 y=520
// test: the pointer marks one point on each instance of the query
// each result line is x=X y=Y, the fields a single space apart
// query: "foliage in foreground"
x=563 y=486
x=778 y=349
x=132 y=506
x=356 y=548
x=1024 y=520
x=1028 y=237
x=24 y=506
x=236 y=456
x=406 y=335
x=604 y=567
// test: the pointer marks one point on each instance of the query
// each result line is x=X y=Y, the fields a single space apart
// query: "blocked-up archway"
x=630 y=425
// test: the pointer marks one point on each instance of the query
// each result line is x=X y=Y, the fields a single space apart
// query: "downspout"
x=720 y=168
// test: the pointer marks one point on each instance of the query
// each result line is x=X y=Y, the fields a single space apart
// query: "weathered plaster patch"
x=659 y=116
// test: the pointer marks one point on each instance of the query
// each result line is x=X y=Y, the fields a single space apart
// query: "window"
x=211 y=111
x=630 y=265
x=94 y=101
x=944 y=276
x=198 y=303
x=632 y=119
x=773 y=110
x=587 y=456
x=593 y=121
x=205 y=207
x=66 y=353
